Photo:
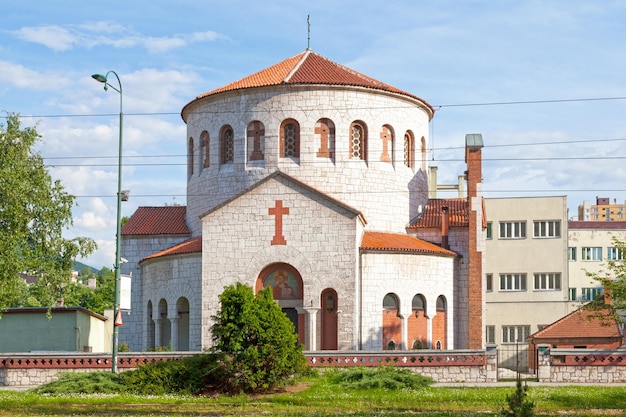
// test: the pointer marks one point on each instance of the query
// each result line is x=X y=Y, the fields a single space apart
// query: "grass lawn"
x=317 y=397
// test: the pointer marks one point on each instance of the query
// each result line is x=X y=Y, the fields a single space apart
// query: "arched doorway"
x=440 y=324
x=164 y=326
x=329 y=319
x=287 y=288
x=392 y=323
x=418 y=323
x=182 y=309
x=150 y=326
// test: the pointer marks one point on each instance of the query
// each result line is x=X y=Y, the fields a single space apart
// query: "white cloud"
x=21 y=77
x=53 y=37
x=90 y=35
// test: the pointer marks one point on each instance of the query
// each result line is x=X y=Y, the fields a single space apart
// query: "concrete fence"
x=470 y=366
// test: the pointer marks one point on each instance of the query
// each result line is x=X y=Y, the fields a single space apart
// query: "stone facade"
x=285 y=181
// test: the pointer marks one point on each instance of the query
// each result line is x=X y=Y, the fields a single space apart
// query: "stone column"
x=157 y=332
x=174 y=335
x=310 y=342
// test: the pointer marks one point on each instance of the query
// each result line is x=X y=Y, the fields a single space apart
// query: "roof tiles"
x=165 y=220
x=309 y=68
x=431 y=216
x=193 y=245
x=379 y=241
x=581 y=324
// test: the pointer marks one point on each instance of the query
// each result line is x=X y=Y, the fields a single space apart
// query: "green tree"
x=519 y=403
x=34 y=212
x=255 y=341
x=613 y=279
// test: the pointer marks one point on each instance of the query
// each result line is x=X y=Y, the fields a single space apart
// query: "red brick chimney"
x=473 y=159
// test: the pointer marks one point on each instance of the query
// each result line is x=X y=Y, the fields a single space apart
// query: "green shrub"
x=519 y=404
x=256 y=342
x=100 y=382
x=385 y=377
x=183 y=376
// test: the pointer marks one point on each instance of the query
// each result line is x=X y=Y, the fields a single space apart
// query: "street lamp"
x=116 y=299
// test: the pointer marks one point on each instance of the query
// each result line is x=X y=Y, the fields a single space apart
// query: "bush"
x=519 y=404
x=385 y=377
x=84 y=383
x=256 y=342
x=183 y=376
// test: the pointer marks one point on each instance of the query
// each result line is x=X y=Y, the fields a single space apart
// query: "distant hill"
x=79 y=266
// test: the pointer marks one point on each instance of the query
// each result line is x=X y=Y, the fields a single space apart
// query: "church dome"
x=356 y=139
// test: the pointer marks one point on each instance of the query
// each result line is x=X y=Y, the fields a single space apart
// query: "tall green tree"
x=613 y=279
x=35 y=210
x=255 y=341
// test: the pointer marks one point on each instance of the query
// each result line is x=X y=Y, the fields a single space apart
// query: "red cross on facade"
x=255 y=131
x=279 y=211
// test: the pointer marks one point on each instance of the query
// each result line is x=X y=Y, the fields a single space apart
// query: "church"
x=311 y=178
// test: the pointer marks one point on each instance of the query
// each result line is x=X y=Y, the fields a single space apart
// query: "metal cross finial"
x=308 y=23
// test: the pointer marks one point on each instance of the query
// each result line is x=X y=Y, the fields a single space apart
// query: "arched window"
x=441 y=303
x=256 y=140
x=190 y=158
x=204 y=149
x=390 y=301
x=227 y=145
x=419 y=305
x=409 y=149
x=289 y=139
x=423 y=150
x=391 y=345
x=358 y=141
x=325 y=128
x=386 y=135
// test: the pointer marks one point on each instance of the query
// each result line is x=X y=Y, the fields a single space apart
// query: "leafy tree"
x=34 y=212
x=255 y=341
x=613 y=279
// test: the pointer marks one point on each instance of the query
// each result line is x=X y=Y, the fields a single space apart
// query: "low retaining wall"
x=442 y=366
x=582 y=365
x=471 y=366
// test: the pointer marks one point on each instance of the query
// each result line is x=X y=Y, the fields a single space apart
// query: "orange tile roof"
x=308 y=68
x=380 y=241
x=193 y=245
x=164 y=220
x=581 y=324
x=431 y=216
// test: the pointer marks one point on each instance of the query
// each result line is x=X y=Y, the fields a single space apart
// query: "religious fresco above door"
x=284 y=285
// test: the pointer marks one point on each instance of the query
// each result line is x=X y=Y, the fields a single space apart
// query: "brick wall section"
x=476 y=305
x=582 y=366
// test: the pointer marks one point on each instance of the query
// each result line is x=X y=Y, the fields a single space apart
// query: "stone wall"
x=582 y=365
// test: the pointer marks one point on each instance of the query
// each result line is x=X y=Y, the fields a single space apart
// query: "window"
x=547 y=228
x=489 y=230
x=190 y=158
x=590 y=294
x=390 y=301
x=227 y=145
x=204 y=146
x=614 y=254
x=290 y=139
x=591 y=254
x=571 y=253
x=409 y=149
x=490 y=334
x=256 y=140
x=512 y=230
x=512 y=282
x=548 y=281
x=325 y=129
x=513 y=334
x=358 y=141
x=386 y=136
x=489 y=283
x=572 y=294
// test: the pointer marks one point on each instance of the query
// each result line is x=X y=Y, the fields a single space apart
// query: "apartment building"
x=526 y=266
x=590 y=246
x=602 y=211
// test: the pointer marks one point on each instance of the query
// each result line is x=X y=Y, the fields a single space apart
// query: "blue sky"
x=543 y=81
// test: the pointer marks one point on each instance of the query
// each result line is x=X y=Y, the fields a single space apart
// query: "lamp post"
x=116 y=299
